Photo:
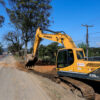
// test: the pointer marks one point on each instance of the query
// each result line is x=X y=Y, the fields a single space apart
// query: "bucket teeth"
x=28 y=67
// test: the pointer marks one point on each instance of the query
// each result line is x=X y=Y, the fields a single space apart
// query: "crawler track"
x=86 y=90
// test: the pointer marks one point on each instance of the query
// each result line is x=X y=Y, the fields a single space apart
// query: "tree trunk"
x=25 y=51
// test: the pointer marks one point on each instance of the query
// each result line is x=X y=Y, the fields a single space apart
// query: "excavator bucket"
x=31 y=63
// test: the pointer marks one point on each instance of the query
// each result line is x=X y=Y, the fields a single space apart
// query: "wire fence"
x=96 y=58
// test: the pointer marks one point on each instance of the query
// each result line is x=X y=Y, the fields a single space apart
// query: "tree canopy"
x=14 y=42
x=48 y=53
x=27 y=15
x=82 y=45
x=2 y=17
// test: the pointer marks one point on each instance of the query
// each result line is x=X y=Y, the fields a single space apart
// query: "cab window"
x=80 y=54
x=65 y=58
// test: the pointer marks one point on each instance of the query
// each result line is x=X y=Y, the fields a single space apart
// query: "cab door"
x=65 y=59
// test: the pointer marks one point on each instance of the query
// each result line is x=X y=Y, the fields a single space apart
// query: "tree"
x=94 y=52
x=2 y=2
x=1 y=20
x=1 y=48
x=27 y=15
x=1 y=17
x=14 y=43
x=51 y=51
x=82 y=45
x=47 y=53
x=41 y=51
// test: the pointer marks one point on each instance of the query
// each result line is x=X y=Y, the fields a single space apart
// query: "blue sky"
x=68 y=15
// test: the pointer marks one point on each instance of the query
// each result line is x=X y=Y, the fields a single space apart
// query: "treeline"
x=93 y=51
x=48 y=53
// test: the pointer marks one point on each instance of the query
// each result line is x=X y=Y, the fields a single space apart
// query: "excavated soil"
x=44 y=69
x=48 y=71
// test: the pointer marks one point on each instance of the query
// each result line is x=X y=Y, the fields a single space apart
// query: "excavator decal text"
x=47 y=36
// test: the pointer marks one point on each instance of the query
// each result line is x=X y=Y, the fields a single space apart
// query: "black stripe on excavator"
x=90 y=76
x=48 y=30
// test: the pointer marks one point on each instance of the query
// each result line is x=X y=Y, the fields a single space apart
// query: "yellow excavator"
x=70 y=60
x=72 y=65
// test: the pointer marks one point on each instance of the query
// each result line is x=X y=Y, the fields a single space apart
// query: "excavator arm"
x=64 y=39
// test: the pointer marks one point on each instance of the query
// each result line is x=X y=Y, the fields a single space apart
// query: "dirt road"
x=20 y=85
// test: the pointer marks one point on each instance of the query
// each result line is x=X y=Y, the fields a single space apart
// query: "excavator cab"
x=67 y=57
x=72 y=63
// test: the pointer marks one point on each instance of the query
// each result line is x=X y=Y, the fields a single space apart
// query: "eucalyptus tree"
x=27 y=15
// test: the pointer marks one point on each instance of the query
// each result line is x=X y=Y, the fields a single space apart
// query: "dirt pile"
x=44 y=69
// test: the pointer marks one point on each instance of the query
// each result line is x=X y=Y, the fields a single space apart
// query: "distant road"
x=2 y=56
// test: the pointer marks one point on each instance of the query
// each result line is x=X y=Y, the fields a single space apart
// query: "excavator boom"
x=64 y=39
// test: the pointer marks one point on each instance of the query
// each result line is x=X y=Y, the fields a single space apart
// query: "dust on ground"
x=10 y=61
